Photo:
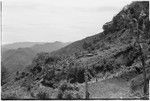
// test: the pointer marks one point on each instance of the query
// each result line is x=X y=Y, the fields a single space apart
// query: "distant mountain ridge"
x=19 y=45
x=18 y=57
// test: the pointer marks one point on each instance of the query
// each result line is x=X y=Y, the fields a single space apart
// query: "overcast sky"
x=56 y=20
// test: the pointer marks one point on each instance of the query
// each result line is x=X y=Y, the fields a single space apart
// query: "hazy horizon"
x=55 y=20
x=35 y=42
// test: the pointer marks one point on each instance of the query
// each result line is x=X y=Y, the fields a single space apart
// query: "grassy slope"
x=116 y=87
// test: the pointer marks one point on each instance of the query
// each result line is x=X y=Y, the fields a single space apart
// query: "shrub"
x=86 y=45
x=4 y=74
x=68 y=91
x=71 y=95
x=50 y=60
x=138 y=82
x=76 y=74
x=27 y=84
x=10 y=96
x=42 y=95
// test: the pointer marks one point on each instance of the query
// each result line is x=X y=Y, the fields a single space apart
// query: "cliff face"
x=125 y=18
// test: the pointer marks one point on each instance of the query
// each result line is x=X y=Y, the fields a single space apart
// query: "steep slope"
x=78 y=46
x=110 y=49
x=118 y=31
x=110 y=56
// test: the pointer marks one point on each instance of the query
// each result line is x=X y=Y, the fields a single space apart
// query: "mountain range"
x=16 y=56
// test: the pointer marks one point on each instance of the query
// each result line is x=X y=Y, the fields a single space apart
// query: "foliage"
x=40 y=58
x=76 y=74
x=68 y=91
x=28 y=84
x=42 y=96
x=10 y=96
x=20 y=75
x=86 y=45
x=4 y=74
x=41 y=61
x=138 y=81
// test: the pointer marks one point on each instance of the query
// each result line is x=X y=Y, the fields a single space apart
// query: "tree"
x=68 y=91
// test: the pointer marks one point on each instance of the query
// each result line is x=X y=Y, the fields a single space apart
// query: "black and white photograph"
x=75 y=49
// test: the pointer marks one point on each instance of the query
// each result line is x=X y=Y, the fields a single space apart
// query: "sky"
x=56 y=20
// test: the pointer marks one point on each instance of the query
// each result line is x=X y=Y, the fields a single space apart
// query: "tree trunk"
x=86 y=84
x=144 y=72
